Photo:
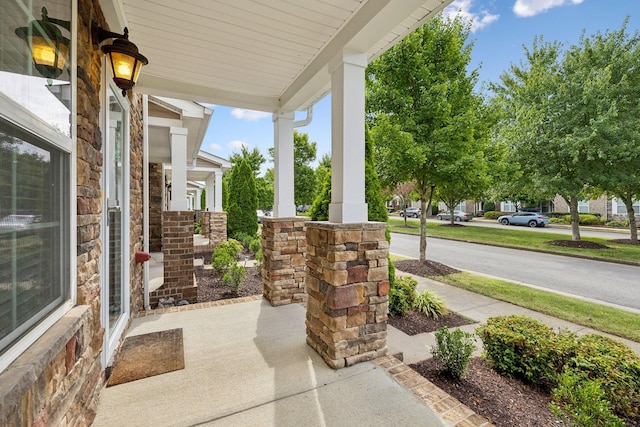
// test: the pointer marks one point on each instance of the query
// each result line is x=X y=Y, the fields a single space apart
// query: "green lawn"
x=520 y=238
x=599 y=317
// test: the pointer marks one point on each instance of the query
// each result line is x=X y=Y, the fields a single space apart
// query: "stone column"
x=283 y=252
x=347 y=291
x=217 y=228
x=178 y=258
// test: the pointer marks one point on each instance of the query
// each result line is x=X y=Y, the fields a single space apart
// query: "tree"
x=254 y=158
x=421 y=94
x=242 y=216
x=324 y=167
x=304 y=152
x=571 y=116
x=404 y=190
x=376 y=208
x=264 y=186
x=203 y=199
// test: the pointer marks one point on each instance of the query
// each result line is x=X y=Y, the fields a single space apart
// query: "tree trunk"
x=452 y=220
x=423 y=224
x=575 y=219
x=631 y=214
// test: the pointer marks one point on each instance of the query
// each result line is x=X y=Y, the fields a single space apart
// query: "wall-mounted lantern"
x=48 y=47
x=123 y=57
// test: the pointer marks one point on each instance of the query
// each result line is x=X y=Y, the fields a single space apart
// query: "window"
x=622 y=209
x=36 y=282
x=508 y=207
x=583 y=206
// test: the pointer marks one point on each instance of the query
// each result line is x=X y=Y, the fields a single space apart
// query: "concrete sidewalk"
x=473 y=306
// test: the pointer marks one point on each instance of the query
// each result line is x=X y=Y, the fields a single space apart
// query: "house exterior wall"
x=57 y=380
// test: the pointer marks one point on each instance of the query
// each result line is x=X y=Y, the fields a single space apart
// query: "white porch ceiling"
x=257 y=54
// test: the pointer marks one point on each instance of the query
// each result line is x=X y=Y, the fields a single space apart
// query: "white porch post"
x=347 y=138
x=217 y=201
x=178 y=169
x=284 y=202
x=210 y=188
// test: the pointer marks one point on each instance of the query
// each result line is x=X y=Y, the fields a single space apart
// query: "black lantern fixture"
x=124 y=59
x=49 y=48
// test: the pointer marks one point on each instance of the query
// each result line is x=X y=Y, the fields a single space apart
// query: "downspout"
x=145 y=196
x=306 y=121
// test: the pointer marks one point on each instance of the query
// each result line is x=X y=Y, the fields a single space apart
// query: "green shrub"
x=582 y=402
x=557 y=221
x=197 y=227
x=489 y=206
x=255 y=245
x=225 y=255
x=557 y=214
x=402 y=295
x=614 y=366
x=258 y=264
x=392 y=271
x=492 y=214
x=526 y=348
x=453 y=350
x=430 y=304
x=622 y=224
x=584 y=219
x=235 y=277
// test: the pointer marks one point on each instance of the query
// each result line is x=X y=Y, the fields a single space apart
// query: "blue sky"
x=500 y=28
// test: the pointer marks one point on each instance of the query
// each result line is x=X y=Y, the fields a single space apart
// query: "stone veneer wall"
x=156 y=189
x=214 y=227
x=177 y=244
x=283 y=252
x=57 y=380
x=348 y=288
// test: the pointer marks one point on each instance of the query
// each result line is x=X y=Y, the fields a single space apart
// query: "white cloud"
x=249 y=115
x=528 y=8
x=237 y=145
x=215 y=147
x=462 y=9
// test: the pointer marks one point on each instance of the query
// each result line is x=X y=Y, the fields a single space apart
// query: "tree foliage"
x=243 y=201
x=304 y=153
x=253 y=157
x=432 y=122
x=571 y=116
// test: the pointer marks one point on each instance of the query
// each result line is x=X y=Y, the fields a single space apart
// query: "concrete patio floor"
x=247 y=364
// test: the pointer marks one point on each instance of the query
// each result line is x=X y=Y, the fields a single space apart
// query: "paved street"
x=602 y=281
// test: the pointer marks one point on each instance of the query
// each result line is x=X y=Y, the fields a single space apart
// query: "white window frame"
x=507 y=204
x=582 y=204
x=19 y=116
x=614 y=207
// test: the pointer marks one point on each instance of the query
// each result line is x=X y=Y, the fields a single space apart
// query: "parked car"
x=457 y=216
x=530 y=219
x=412 y=212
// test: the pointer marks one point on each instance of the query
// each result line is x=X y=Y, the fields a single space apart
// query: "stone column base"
x=347 y=291
x=283 y=260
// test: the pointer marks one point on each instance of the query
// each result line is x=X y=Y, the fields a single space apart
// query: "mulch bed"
x=503 y=401
x=424 y=269
x=626 y=241
x=212 y=288
x=414 y=322
x=581 y=244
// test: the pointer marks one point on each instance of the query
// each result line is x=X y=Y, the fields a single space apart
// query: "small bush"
x=557 y=221
x=225 y=255
x=453 y=350
x=492 y=214
x=584 y=219
x=197 y=227
x=614 y=366
x=489 y=206
x=402 y=294
x=235 y=277
x=258 y=264
x=557 y=214
x=255 y=245
x=582 y=402
x=621 y=224
x=526 y=348
x=244 y=238
x=430 y=304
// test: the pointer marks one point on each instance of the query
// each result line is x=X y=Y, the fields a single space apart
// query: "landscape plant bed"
x=505 y=402
x=414 y=322
x=212 y=288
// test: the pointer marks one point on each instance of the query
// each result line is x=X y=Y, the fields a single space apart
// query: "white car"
x=457 y=216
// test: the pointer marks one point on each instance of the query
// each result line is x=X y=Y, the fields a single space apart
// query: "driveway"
x=600 y=281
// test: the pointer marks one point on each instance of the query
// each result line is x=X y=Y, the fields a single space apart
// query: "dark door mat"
x=143 y=356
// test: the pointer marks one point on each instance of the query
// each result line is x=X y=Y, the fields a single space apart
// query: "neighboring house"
x=91 y=163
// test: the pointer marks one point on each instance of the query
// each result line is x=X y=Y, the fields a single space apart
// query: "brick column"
x=217 y=228
x=177 y=244
x=283 y=253
x=156 y=189
x=348 y=288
